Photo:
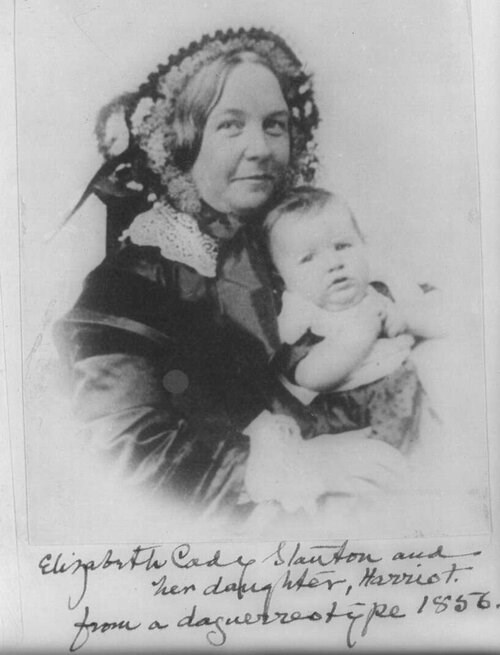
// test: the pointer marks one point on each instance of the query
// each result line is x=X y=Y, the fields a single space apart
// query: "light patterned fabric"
x=177 y=235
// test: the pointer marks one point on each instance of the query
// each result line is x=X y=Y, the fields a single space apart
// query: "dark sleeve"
x=118 y=342
x=288 y=357
x=383 y=289
x=128 y=304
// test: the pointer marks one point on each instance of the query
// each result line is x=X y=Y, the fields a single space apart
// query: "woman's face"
x=245 y=147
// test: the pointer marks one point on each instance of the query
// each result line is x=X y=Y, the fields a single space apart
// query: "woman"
x=170 y=341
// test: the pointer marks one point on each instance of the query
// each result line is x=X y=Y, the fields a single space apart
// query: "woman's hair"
x=163 y=122
x=200 y=96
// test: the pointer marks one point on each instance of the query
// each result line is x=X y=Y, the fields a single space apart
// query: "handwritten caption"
x=192 y=588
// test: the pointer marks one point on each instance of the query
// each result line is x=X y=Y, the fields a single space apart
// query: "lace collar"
x=177 y=235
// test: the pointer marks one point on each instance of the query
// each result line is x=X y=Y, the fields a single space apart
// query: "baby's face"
x=321 y=257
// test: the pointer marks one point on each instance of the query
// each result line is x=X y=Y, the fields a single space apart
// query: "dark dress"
x=168 y=366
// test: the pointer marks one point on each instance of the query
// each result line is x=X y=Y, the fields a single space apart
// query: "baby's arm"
x=330 y=362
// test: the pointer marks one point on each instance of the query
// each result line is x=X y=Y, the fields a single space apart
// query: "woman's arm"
x=150 y=447
x=118 y=354
x=422 y=313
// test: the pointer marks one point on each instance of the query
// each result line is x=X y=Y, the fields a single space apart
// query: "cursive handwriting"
x=357 y=617
x=438 y=552
x=217 y=591
x=372 y=577
x=181 y=558
x=293 y=555
x=141 y=557
x=85 y=628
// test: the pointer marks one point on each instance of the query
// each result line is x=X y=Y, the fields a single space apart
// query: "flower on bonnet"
x=116 y=135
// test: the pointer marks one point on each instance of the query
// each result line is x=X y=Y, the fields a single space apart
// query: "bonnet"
x=137 y=138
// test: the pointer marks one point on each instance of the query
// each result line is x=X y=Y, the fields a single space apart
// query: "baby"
x=347 y=339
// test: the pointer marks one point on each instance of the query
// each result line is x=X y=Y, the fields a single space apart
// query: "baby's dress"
x=383 y=393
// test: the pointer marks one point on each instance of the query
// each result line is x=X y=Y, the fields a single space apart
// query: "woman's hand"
x=284 y=468
x=354 y=464
x=274 y=465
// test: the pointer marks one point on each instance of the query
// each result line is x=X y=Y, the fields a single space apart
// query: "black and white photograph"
x=251 y=271
x=252 y=290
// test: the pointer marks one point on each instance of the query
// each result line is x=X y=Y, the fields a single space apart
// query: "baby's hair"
x=300 y=201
